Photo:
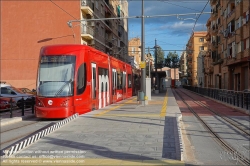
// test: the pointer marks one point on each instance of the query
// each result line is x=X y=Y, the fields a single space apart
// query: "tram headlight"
x=39 y=103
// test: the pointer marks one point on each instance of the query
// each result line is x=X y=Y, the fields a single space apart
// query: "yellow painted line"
x=106 y=111
x=134 y=115
x=164 y=106
x=86 y=161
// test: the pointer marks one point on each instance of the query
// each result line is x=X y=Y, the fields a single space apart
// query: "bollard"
x=242 y=101
x=22 y=106
x=11 y=114
x=238 y=100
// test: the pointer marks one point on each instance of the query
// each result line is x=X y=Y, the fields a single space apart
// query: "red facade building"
x=26 y=26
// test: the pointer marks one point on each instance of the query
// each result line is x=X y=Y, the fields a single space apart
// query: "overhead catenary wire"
x=200 y=15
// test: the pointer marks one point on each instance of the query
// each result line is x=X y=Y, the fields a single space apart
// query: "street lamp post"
x=143 y=70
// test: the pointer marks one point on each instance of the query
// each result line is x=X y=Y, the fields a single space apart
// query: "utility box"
x=140 y=96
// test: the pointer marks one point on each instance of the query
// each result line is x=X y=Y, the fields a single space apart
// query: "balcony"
x=189 y=58
x=214 y=29
x=208 y=37
x=85 y=7
x=215 y=44
x=87 y=32
x=208 y=22
x=211 y=70
x=213 y=2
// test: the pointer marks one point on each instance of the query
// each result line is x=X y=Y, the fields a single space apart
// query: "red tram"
x=77 y=79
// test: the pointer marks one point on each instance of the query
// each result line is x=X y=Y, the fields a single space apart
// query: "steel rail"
x=219 y=140
x=229 y=120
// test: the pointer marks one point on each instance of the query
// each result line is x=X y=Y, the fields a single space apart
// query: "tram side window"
x=81 y=79
x=129 y=81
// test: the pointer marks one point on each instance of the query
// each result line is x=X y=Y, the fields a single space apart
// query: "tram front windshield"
x=56 y=76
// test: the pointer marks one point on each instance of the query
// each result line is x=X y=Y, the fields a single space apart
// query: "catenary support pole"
x=143 y=70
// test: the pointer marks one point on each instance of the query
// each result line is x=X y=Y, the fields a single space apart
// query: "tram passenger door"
x=114 y=85
x=93 y=87
x=124 y=87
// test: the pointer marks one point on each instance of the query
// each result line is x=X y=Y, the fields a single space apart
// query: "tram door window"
x=119 y=80
x=114 y=81
x=81 y=79
x=129 y=81
x=124 y=80
x=93 y=81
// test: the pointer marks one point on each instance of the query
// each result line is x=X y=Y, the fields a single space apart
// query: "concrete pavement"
x=124 y=133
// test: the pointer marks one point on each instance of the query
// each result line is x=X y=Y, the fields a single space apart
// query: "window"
x=101 y=9
x=96 y=5
x=201 y=48
x=201 y=39
x=247 y=43
x=133 y=50
x=102 y=31
x=238 y=47
x=81 y=79
x=238 y=23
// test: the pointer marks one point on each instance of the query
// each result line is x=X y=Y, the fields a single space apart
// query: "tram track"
x=233 y=122
x=218 y=139
x=11 y=136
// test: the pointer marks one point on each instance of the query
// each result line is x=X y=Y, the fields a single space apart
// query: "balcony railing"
x=85 y=30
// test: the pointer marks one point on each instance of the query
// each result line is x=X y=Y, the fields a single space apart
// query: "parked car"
x=26 y=90
x=16 y=94
x=5 y=103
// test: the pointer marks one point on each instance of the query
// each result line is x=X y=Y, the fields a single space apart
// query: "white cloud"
x=179 y=25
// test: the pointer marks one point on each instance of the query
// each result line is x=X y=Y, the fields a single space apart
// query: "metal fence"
x=239 y=99
x=20 y=104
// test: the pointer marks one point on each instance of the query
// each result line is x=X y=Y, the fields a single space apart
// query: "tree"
x=172 y=60
x=160 y=56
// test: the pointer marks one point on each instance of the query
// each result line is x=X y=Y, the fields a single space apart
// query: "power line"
x=179 y=5
x=62 y=9
x=199 y=16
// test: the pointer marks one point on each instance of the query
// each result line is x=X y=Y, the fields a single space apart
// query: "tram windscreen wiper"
x=63 y=86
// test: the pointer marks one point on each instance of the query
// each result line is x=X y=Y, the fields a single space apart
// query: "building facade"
x=228 y=57
x=196 y=43
x=108 y=30
x=134 y=50
x=183 y=68
x=26 y=26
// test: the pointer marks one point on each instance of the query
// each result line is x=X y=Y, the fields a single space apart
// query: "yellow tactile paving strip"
x=132 y=101
x=86 y=162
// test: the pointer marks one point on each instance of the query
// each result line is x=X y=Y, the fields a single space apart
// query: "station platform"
x=125 y=133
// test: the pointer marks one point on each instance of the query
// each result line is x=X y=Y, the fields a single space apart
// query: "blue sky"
x=171 y=33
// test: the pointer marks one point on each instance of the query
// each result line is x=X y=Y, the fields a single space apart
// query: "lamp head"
x=69 y=24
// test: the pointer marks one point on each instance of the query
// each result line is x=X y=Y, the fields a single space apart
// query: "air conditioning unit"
x=243 y=21
x=225 y=33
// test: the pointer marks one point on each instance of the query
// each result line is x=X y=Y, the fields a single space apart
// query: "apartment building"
x=200 y=67
x=183 y=68
x=104 y=28
x=196 y=43
x=26 y=26
x=134 y=50
x=228 y=57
